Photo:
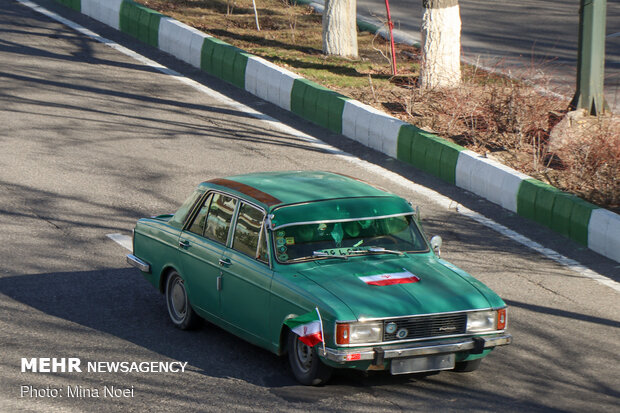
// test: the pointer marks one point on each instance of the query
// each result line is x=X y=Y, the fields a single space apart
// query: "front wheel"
x=305 y=363
x=181 y=312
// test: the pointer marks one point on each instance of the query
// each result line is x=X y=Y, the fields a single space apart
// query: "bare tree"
x=340 y=28
x=441 y=44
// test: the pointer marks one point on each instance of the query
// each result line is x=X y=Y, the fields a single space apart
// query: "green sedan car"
x=332 y=271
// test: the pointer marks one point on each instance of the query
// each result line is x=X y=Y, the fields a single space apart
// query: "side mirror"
x=436 y=242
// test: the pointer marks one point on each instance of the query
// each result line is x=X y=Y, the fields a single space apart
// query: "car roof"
x=272 y=189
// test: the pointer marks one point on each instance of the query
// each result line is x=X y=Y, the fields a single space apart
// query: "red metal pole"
x=391 y=26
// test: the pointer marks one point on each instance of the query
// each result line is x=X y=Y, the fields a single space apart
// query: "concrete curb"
x=589 y=225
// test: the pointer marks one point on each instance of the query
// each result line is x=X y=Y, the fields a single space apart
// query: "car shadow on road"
x=562 y=313
x=120 y=303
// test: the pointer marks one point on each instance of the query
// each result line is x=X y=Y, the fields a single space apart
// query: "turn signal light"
x=342 y=333
x=502 y=320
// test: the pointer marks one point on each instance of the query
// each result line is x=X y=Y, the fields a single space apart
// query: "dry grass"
x=290 y=36
x=588 y=159
x=508 y=118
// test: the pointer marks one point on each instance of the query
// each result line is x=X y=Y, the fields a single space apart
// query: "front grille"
x=425 y=326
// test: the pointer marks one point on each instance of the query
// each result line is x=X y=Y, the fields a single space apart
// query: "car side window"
x=200 y=220
x=263 y=252
x=248 y=232
x=219 y=217
x=179 y=217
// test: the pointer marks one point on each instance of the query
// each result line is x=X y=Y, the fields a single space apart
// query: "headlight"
x=481 y=321
x=358 y=333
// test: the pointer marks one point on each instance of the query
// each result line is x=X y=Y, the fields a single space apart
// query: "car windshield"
x=392 y=235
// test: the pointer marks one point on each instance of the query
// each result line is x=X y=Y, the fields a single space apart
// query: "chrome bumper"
x=138 y=263
x=378 y=354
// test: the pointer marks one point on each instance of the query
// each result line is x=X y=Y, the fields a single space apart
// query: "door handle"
x=183 y=244
x=225 y=262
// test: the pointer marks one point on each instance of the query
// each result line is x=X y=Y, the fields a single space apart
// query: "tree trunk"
x=340 y=28
x=441 y=44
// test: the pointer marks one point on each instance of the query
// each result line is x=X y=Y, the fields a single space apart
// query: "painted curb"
x=489 y=179
x=181 y=40
x=585 y=223
x=269 y=82
x=74 y=4
x=371 y=127
x=106 y=12
x=604 y=233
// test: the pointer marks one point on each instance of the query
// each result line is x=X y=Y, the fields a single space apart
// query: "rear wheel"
x=305 y=363
x=180 y=310
x=467 y=366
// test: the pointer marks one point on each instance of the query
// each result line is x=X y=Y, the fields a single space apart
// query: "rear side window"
x=179 y=217
x=248 y=232
x=219 y=217
x=200 y=221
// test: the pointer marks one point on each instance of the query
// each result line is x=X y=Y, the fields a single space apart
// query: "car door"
x=202 y=245
x=246 y=275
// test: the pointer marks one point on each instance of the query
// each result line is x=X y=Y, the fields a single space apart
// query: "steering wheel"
x=381 y=239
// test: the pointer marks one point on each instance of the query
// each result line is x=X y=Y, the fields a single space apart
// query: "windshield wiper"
x=326 y=255
x=376 y=249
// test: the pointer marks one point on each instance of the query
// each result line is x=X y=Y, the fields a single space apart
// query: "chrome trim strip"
x=233 y=223
x=473 y=310
x=364 y=320
x=138 y=263
x=329 y=221
x=419 y=349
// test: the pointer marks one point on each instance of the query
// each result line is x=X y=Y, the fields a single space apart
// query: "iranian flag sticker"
x=404 y=277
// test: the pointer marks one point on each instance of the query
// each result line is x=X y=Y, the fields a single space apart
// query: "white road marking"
x=124 y=241
x=439 y=199
x=614 y=35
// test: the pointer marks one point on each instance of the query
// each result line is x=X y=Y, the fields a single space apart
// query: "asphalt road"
x=534 y=38
x=93 y=140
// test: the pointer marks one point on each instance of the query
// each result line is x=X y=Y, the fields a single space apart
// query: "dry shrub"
x=591 y=161
x=487 y=113
x=511 y=120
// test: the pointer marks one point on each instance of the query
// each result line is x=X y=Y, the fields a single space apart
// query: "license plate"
x=421 y=364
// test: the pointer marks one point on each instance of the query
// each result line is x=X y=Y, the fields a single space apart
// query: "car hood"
x=440 y=288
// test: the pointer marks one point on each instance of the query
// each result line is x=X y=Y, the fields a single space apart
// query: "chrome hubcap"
x=304 y=355
x=178 y=299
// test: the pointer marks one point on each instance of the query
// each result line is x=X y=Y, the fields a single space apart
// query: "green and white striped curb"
x=269 y=82
x=594 y=227
x=181 y=40
x=105 y=11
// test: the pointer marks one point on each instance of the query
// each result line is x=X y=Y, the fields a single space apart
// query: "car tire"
x=467 y=366
x=180 y=310
x=305 y=363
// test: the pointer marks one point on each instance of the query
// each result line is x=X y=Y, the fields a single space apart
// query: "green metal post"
x=591 y=57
